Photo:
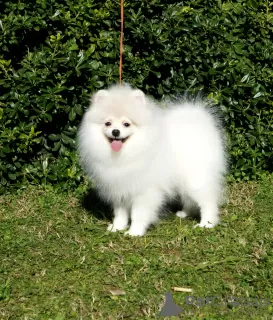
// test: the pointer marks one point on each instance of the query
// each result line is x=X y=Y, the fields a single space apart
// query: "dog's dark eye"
x=126 y=124
x=108 y=124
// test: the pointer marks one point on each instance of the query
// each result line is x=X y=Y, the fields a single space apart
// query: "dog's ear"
x=139 y=96
x=100 y=96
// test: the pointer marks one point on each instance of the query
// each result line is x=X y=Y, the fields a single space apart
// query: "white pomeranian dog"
x=140 y=155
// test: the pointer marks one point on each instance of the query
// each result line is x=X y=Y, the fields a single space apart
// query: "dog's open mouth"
x=116 y=144
x=122 y=140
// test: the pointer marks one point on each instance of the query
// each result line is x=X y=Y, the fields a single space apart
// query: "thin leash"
x=121 y=39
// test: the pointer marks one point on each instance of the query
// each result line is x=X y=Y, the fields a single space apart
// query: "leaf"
x=54 y=137
x=91 y=49
x=94 y=64
x=72 y=114
x=117 y=292
x=73 y=47
x=57 y=146
x=45 y=164
x=245 y=78
x=12 y=176
x=258 y=94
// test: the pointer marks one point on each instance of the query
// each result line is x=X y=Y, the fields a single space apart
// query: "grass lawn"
x=58 y=262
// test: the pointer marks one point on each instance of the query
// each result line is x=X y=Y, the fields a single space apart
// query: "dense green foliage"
x=54 y=54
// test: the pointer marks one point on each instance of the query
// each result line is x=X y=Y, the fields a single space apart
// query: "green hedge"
x=54 y=54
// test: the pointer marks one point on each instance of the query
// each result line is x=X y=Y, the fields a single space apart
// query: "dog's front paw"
x=136 y=232
x=113 y=227
x=205 y=225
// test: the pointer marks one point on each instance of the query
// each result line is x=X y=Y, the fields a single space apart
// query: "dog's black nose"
x=115 y=132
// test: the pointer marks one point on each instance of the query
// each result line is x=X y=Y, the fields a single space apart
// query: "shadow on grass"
x=173 y=205
x=95 y=206
x=103 y=211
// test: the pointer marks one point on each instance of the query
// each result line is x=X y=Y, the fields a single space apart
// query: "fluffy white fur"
x=172 y=151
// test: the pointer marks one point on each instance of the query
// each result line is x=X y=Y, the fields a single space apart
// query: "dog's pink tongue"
x=116 y=145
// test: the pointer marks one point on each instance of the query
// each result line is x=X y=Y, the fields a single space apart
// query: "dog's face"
x=119 y=126
x=117 y=131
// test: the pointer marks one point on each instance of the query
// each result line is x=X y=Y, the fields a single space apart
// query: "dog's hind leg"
x=207 y=200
